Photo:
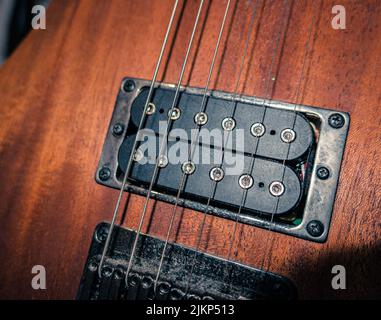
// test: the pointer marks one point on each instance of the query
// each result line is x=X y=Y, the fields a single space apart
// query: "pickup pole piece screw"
x=246 y=181
x=276 y=188
x=175 y=114
x=257 y=129
x=217 y=174
x=228 y=124
x=201 y=118
x=163 y=161
x=118 y=129
x=188 y=167
x=129 y=85
x=336 y=120
x=322 y=173
x=104 y=174
x=151 y=108
x=288 y=135
x=315 y=228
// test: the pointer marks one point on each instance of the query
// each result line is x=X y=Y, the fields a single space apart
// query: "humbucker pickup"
x=280 y=154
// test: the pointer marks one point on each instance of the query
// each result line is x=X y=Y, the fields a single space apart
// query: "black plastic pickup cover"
x=275 y=160
x=212 y=277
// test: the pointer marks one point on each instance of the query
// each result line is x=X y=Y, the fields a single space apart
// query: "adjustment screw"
x=315 y=228
x=151 y=108
x=336 y=120
x=257 y=129
x=107 y=271
x=118 y=274
x=101 y=233
x=216 y=174
x=201 y=118
x=322 y=173
x=188 y=167
x=104 y=174
x=288 y=135
x=175 y=114
x=138 y=155
x=133 y=280
x=246 y=181
x=162 y=161
x=276 y=188
x=228 y=124
x=129 y=85
x=118 y=129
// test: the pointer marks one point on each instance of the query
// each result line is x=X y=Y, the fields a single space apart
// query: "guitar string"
x=175 y=100
x=269 y=95
x=234 y=98
x=297 y=103
x=124 y=182
x=193 y=145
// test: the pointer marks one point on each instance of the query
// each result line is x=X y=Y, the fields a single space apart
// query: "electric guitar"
x=193 y=150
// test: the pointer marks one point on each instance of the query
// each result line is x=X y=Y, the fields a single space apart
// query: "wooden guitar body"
x=57 y=95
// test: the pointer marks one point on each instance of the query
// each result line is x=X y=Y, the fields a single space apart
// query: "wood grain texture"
x=57 y=94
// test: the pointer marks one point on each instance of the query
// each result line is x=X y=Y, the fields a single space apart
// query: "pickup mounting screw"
x=315 y=228
x=188 y=167
x=336 y=120
x=322 y=173
x=257 y=129
x=246 y=181
x=101 y=233
x=104 y=174
x=276 y=188
x=288 y=135
x=228 y=124
x=129 y=85
x=118 y=129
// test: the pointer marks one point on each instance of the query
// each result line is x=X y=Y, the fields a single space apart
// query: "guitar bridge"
x=211 y=278
x=286 y=157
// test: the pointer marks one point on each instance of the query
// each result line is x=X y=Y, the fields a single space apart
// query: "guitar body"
x=57 y=94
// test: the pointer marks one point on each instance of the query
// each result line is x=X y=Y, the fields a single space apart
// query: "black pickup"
x=297 y=145
x=266 y=159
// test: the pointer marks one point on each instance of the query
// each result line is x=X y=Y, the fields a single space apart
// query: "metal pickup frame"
x=332 y=132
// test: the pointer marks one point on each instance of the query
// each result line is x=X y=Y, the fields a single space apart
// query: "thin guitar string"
x=192 y=148
x=267 y=93
x=154 y=77
x=257 y=143
x=233 y=100
x=297 y=103
x=131 y=258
